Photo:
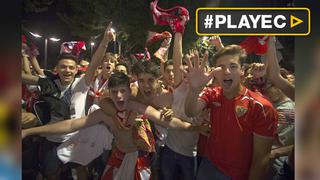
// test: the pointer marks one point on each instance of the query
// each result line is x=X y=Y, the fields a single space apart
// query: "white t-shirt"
x=182 y=142
x=79 y=92
x=87 y=144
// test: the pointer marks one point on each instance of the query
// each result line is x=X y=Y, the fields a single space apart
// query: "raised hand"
x=258 y=70
x=109 y=34
x=216 y=41
x=196 y=75
x=166 y=42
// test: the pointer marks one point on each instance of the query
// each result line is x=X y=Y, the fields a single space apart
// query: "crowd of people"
x=185 y=118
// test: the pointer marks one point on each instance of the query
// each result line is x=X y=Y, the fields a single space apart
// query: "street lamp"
x=92 y=44
x=45 y=46
x=54 y=39
x=35 y=35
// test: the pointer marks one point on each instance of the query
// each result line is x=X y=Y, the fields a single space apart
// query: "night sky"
x=47 y=24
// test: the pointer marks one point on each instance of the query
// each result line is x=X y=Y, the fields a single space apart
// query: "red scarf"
x=170 y=16
x=154 y=37
x=97 y=88
x=257 y=45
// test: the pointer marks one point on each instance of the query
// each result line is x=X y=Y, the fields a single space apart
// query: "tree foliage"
x=36 y=6
x=131 y=19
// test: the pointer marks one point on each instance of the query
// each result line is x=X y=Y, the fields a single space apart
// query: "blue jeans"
x=208 y=171
x=171 y=162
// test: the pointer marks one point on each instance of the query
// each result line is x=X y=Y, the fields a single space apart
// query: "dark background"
x=85 y=20
x=13 y=17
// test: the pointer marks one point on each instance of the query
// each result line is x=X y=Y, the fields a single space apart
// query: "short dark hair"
x=146 y=67
x=234 y=50
x=123 y=64
x=117 y=79
x=67 y=56
x=167 y=63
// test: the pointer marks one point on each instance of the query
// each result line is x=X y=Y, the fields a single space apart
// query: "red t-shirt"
x=234 y=122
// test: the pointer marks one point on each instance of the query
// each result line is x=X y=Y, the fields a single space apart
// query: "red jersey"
x=234 y=122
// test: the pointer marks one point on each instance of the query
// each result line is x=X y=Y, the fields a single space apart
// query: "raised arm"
x=165 y=47
x=273 y=71
x=193 y=105
x=29 y=79
x=97 y=57
x=68 y=126
x=25 y=64
x=36 y=66
x=216 y=41
x=197 y=78
x=177 y=58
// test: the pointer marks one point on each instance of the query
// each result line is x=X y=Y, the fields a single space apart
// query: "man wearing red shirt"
x=243 y=123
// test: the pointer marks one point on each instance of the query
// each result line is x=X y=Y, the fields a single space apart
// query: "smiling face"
x=66 y=69
x=147 y=84
x=230 y=76
x=120 y=96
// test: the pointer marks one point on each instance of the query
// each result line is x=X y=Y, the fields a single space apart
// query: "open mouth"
x=147 y=92
x=227 y=83
x=67 y=76
x=108 y=68
x=120 y=103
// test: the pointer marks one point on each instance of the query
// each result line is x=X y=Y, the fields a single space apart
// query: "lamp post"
x=45 y=52
x=45 y=46
x=92 y=44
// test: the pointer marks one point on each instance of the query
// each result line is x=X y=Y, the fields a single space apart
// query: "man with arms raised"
x=121 y=126
x=66 y=95
x=243 y=123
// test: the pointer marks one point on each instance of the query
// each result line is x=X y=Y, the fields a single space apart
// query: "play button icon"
x=294 y=21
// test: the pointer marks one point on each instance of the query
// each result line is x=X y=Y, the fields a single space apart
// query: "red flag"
x=170 y=16
x=154 y=36
x=257 y=45
x=73 y=47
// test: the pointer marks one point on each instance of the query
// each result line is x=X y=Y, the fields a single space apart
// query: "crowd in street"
x=192 y=115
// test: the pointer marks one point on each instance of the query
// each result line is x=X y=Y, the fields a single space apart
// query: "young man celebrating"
x=121 y=126
x=66 y=95
x=99 y=84
x=243 y=123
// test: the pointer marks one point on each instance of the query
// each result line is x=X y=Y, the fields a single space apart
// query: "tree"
x=36 y=6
